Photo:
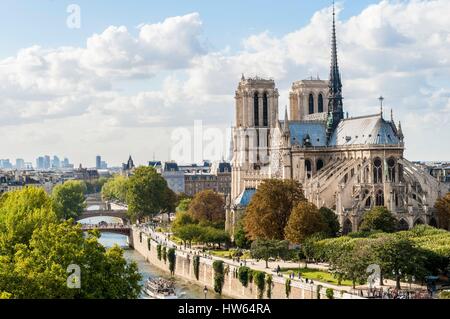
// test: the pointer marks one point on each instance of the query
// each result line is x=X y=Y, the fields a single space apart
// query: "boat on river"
x=160 y=288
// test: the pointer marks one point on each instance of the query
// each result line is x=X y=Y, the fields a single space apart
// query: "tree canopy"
x=68 y=199
x=116 y=189
x=270 y=208
x=148 y=193
x=208 y=206
x=379 y=218
x=304 y=221
x=330 y=218
x=36 y=249
x=442 y=206
x=266 y=249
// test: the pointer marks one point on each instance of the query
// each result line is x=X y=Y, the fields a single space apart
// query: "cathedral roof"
x=316 y=130
x=245 y=197
x=371 y=129
x=364 y=130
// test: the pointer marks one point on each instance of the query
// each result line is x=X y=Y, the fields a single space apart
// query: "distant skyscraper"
x=47 y=162
x=40 y=163
x=20 y=164
x=56 y=163
x=98 y=162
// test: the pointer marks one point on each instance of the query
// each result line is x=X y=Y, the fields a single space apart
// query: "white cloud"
x=399 y=49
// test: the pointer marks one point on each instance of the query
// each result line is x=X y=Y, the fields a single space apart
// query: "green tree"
x=182 y=218
x=304 y=221
x=352 y=260
x=379 y=218
x=40 y=268
x=208 y=206
x=442 y=206
x=266 y=249
x=21 y=212
x=96 y=186
x=331 y=220
x=69 y=200
x=183 y=205
x=116 y=189
x=240 y=237
x=270 y=208
x=398 y=258
x=188 y=233
x=148 y=194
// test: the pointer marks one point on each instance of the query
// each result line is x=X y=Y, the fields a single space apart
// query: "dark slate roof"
x=245 y=197
x=154 y=163
x=315 y=129
x=366 y=130
x=224 y=167
x=171 y=167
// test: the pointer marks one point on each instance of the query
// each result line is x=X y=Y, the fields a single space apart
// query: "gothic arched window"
x=379 y=200
x=377 y=171
x=402 y=225
x=391 y=169
x=320 y=103
x=265 y=110
x=308 y=168
x=319 y=164
x=347 y=227
x=256 y=108
x=311 y=104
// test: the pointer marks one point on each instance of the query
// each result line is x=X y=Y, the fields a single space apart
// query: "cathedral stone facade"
x=347 y=164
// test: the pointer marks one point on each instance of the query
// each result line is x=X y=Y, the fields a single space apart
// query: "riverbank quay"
x=196 y=267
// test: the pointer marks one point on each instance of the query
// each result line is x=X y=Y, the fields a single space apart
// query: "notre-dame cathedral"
x=347 y=164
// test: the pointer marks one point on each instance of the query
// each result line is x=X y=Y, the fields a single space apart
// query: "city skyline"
x=82 y=92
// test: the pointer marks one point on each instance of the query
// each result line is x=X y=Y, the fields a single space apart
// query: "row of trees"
x=405 y=255
x=201 y=219
x=37 y=248
x=279 y=211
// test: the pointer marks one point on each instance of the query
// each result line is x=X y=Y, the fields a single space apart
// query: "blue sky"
x=138 y=74
x=29 y=22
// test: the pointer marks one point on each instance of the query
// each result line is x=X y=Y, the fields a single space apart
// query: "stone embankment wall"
x=233 y=288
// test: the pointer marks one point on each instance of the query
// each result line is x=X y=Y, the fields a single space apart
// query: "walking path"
x=360 y=291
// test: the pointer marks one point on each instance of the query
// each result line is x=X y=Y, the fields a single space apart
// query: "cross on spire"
x=381 y=99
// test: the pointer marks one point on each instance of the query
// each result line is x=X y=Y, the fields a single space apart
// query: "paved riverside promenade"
x=232 y=286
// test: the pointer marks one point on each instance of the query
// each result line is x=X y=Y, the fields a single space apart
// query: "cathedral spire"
x=286 y=121
x=335 y=106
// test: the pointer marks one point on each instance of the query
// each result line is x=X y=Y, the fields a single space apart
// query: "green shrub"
x=269 y=282
x=164 y=254
x=171 y=256
x=158 y=251
x=288 y=287
x=444 y=294
x=243 y=275
x=330 y=293
x=319 y=288
x=259 y=278
x=219 y=277
x=196 y=266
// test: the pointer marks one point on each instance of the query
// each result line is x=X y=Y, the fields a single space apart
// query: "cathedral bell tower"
x=256 y=114
x=335 y=105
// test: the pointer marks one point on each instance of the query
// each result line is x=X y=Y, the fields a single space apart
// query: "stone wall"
x=232 y=286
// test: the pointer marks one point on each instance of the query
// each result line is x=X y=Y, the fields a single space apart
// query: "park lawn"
x=316 y=274
x=221 y=253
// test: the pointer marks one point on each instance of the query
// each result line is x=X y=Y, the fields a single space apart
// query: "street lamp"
x=205 y=291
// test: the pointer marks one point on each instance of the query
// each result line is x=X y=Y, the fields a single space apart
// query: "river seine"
x=184 y=289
